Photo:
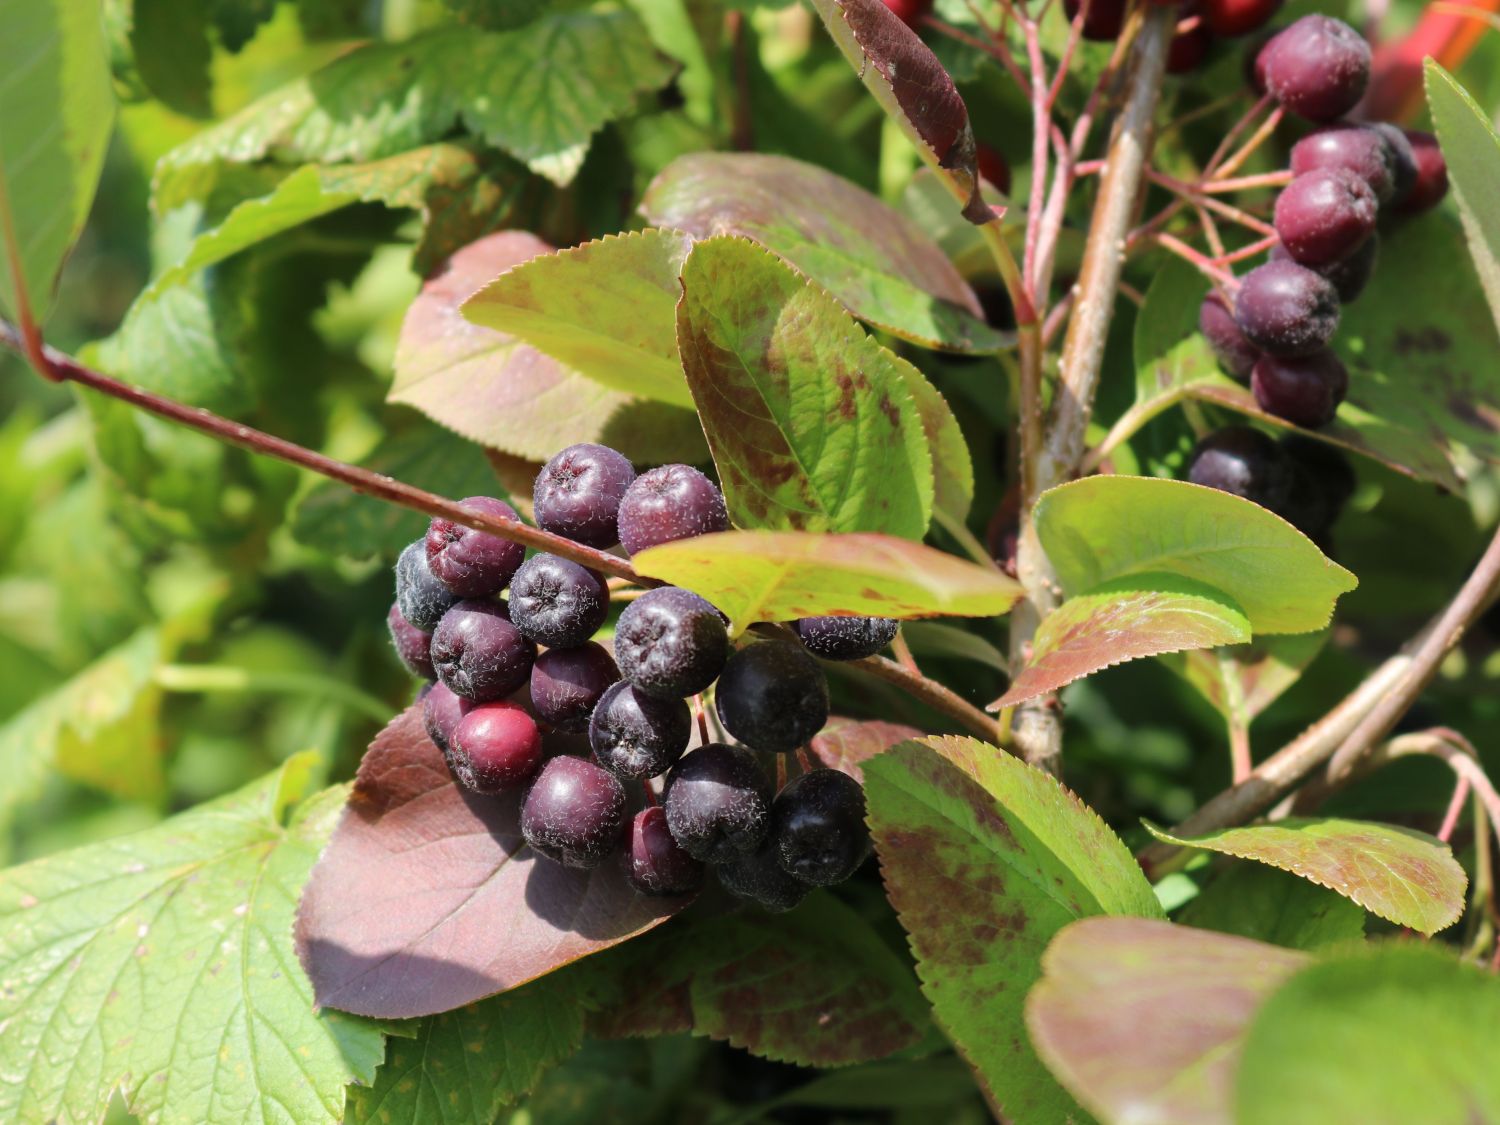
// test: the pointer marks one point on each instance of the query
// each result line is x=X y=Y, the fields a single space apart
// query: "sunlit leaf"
x=1471 y=149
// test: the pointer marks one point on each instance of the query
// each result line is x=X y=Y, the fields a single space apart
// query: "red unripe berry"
x=1324 y=214
x=496 y=746
x=1318 y=68
x=1305 y=390
x=909 y=12
x=657 y=865
x=1431 y=182
x=1238 y=17
x=1189 y=47
x=1104 y=20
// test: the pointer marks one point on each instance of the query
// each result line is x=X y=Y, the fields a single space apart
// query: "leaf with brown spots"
x=783 y=575
x=811 y=423
x=880 y=264
x=912 y=87
x=985 y=859
x=1142 y=615
x=427 y=898
x=502 y=393
x=1405 y=877
x=1143 y=1021
x=816 y=986
x=846 y=744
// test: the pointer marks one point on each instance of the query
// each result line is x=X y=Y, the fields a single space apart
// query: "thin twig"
x=934 y=694
x=1245 y=183
x=1201 y=262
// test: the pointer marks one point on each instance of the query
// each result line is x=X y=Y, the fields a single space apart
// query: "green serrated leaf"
x=1243 y=681
x=985 y=859
x=1125 y=619
x=577 y=69
x=56 y=105
x=462 y=1066
x=605 y=309
x=98 y=727
x=1260 y=902
x=1471 y=148
x=1392 y=1034
x=811 y=423
x=163 y=962
x=1107 y=527
x=782 y=575
x=1143 y=1021
x=878 y=263
x=1403 y=876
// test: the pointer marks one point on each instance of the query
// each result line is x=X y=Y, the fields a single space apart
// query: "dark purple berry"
x=1189 y=46
x=1304 y=390
x=1103 y=21
x=1242 y=461
x=574 y=812
x=1350 y=274
x=637 y=735
x=556 y=602
x=566 y=683
x=818 y=827
x=758 y=877
x=441 y=712
x=718 y=803
x=1322 y=483
x=1236 y=355
x=1403 y=160
x=671 y=643
x=1255 y=61
x=473 y=564
x=1286 y=309
x=413 y=646
x=1430 y=182
x=1318 y=68
x=495 y=747
x=1324 y=215
x=670 y=503
x=1356 y=149
x=478 y=653
x=421 y=598
x=845 y=638
x=657 y=865
x=578 y=493
x=1230 y=18
x=772 y=696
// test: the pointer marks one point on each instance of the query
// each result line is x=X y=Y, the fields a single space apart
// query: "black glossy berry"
x=574 y=812
x=657 y=865
x=671 y=643
x=421 y=598
x=495 y=747
x=1357 y=149
x=473 y=564
x=670 y=503
x=759 y=878
x=818 y=827
x=577 y=494
x=1229 y=18
x=1103 y=21
x=1236 y=354
x=1242 y=461
x=1286 y=309
x=478 y=653
x=845 y=638
x=1322 y=483
x=1325 y=214
x=566 y=683
x=441 y=712
x=718 y=803
x=1305 y=390
x=772 y=696
x=1348 y=275
x=638 y=735
x=1430 y=182
x=1403 y=160
x=413 y=646
x=556 y=602
x=1318 y=68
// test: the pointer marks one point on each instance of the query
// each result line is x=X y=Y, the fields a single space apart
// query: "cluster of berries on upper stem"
x=517 y=681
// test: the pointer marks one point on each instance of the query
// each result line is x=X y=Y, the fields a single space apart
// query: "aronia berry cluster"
x=516 y=677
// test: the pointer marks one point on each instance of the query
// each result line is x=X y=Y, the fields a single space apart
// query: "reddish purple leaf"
x=1143 y=1021
x=912 y=86
x=845 y=743
x=1144 y=615
x=427 y=898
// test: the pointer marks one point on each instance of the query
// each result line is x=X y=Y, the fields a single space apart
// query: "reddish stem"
x=1202 y=263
